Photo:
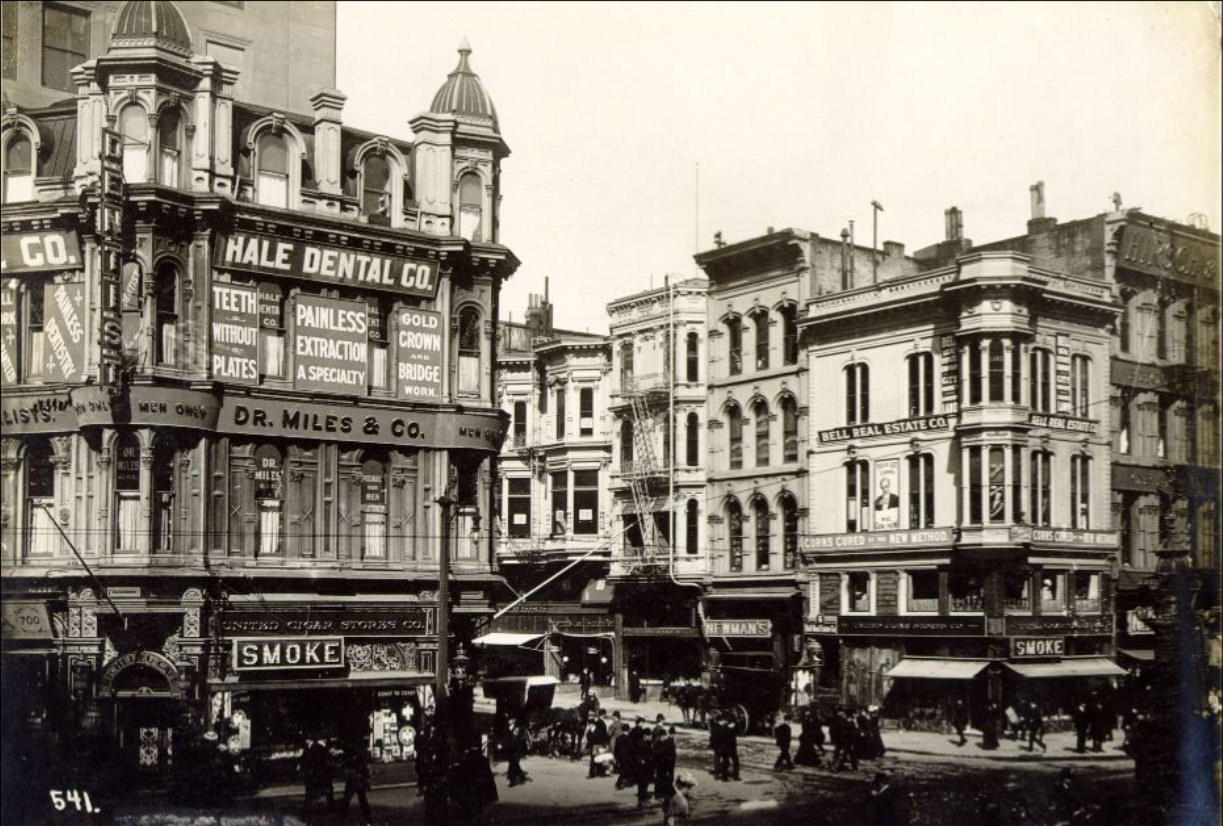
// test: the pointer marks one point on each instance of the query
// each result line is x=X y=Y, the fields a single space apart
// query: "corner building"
x=960 y=445
x=244 y=353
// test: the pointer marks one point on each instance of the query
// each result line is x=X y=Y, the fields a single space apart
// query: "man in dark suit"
x=886 y=500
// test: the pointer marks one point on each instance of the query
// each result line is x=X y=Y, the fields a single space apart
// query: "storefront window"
x=1086 y=592
x=1052 y=592
x=1016 y=591
x=518 y=506
x=964 y=592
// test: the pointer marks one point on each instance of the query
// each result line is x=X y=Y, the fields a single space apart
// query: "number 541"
x=61 y=799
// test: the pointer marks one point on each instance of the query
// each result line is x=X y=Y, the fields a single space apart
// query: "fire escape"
x=646 y=476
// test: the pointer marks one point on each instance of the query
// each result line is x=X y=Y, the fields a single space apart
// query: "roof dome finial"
x=463 y=93
x=157 y=23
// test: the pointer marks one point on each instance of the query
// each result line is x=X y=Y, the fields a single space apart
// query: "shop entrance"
x=143 y=734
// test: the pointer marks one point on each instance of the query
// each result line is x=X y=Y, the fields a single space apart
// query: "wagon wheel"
x=742 y=719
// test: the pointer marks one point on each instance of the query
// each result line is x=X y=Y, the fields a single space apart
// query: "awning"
x=757 y=593
x=358 y=679
x=505 y=638
x=1145 y=655
x=937 y=668
x=1086 y=667
x=598 y=592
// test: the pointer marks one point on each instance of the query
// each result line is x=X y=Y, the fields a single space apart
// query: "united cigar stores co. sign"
x=281 y=653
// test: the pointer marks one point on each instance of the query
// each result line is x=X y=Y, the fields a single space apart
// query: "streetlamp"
x=442 y=676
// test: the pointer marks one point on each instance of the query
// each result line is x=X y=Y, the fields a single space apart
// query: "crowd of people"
x=853 y=735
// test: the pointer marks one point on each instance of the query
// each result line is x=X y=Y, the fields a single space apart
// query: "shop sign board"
x=919 y=424
x=1029 y=647
x=1066 y=536
x=21 y=620
x=328 y=264
x=39 y=252
x=235 y=333
x=822 y=624
x=64 y=331
x=418 y=373
x=1099 y=625
x=150 y=406
x=913 y=626
x=279 y=653
x=1150 y=250
x=1063 y=423
x=330 y=345
x=738 y=628
x=39 y=413
x=877 y=539
x=149 y=659
x=364 y=622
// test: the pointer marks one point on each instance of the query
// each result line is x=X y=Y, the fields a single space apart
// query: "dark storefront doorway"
x=143 y=735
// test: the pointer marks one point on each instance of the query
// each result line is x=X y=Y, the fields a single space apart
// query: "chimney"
x=893 y=249
x=1039 y=223
x=953 y=222
x=328 y=105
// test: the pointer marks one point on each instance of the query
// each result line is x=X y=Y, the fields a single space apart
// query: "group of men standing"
x=853 y=736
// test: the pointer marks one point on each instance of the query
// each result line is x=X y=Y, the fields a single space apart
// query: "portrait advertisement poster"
x=235 y=333
x=887 y=495
x=330 y=345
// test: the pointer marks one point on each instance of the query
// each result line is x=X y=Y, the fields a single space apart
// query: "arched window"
x=471 y=207
x=734 y=533
x=626 y=447
x=857 y=393
x=789 y=531
x=43 y=538
x=693 y=358
x=469 y=351
x=734 y=345
x=127 y=493
x=18 y=169
x=166 y=343
x=692 y=440
x=734 y=430
x=134 y=127
x=761 y=322
x=760 y=515
x=692 y=528
x=373 y=508
x=789 y=334
x=170 y=144
x=376 y=189
x=789 y=429
x=760 y=412
x=272 y=171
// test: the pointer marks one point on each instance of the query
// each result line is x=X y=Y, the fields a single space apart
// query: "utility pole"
x=442 y=676
x=876 y=208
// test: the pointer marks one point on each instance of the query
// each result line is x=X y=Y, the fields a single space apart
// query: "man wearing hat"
x=887 y=804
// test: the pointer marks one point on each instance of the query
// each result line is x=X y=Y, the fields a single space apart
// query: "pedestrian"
x=642 y=758
x=1082 y=720
x=1062 y=804
x=959 y=720
x=356 y=780
x=596 y=740
x=615 y=736
x=844 y=741
x=316 y=773
x=517 y=748
x=664 y=770
x=782 y=735
x=584 y=682
x=887 y=803
x=660 y=728
x=1099 y=723
x=989 y=731
x=634 y=687
x=1034 y=722
x=732 y=746
x=717 y=744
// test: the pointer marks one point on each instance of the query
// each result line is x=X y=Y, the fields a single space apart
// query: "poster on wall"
x=330 y=345
x=419 y=366
x=235 y=334
x=887 y=495
x=64 y=331
x=8 y=332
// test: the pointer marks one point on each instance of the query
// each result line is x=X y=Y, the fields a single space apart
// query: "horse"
x=696 y=702
x=566 y=727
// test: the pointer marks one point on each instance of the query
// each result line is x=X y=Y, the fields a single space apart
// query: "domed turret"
x=463 y=93
x=156 y=23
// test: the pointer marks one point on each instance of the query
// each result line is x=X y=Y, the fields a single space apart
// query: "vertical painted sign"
x=235 y=333
x=887 y=495
x=950 y=358
x=64 y=329
x=9 y=329
x=330 y=345
x=419 y=365
x=1062 y=361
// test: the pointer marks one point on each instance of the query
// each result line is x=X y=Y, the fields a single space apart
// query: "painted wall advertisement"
x=235 y=334
x=887 y=495
x=330 y=345
x=9 y=353
x=419 y=371
x=64 y=331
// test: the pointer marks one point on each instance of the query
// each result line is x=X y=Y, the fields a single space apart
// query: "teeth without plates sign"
x=419 y=370
x=330 y=345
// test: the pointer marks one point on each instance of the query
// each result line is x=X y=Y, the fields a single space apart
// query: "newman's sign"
x=328 y=264
x=738 y=628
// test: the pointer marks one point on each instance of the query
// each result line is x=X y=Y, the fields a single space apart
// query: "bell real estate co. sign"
x=895 y=428
x=738 y=628
x=268 y=653
x=328 y=264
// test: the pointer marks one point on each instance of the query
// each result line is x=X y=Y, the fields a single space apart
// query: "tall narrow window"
x=921 y=384
x=857 y=495
x=163 y=495
x=760 y=515
x=471 y=207
x=734 y=345
x=734 y=430
x=626 y=366
x=586 y=501
x=921 y=490
x=789 y=430
x=1016 y=484
x=127 y=493
x=560 y=413
x=1124 y=328
x=1125 y=423
x=626 y=447
x=1040 y=381
x=760 y=321
x=586 y=411
x=560 y=502
x=857 y=393
x=170 y=148
x=997 y=484
x=42 y=537
x=271 y=331
x=18 y=169
x=1042 y=488
x=376 y=189
x=1080 y=492
x=167 y=315
x=997 y=370
x=35 y=356
x=518 y=506
x=1160 y=330
x=373 y=509
x=469 y=351
x=734 y=534
x=692 y=440
x=974 y=372
x=692 y=358
x=65 y=44
x=377 y=317
x=272 y=176
x=1161 y=430
x=975 y=486
x=858 y=592
x=789 y=532
x=1016 y=372
x=760 y=412
x=692 y=528
x=789 y=334
x=134 y=126
x=520 y=424
x=1080 y=386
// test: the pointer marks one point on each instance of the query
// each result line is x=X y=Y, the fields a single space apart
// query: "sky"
x=639 y=130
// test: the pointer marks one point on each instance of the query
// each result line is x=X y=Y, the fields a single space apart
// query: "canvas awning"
x=505 y=638
x=357 y=679
x=1085 y=667
x=937 y=668
x=1145 y=655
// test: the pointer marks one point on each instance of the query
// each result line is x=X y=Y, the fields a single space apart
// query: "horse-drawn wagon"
x=745 y=685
